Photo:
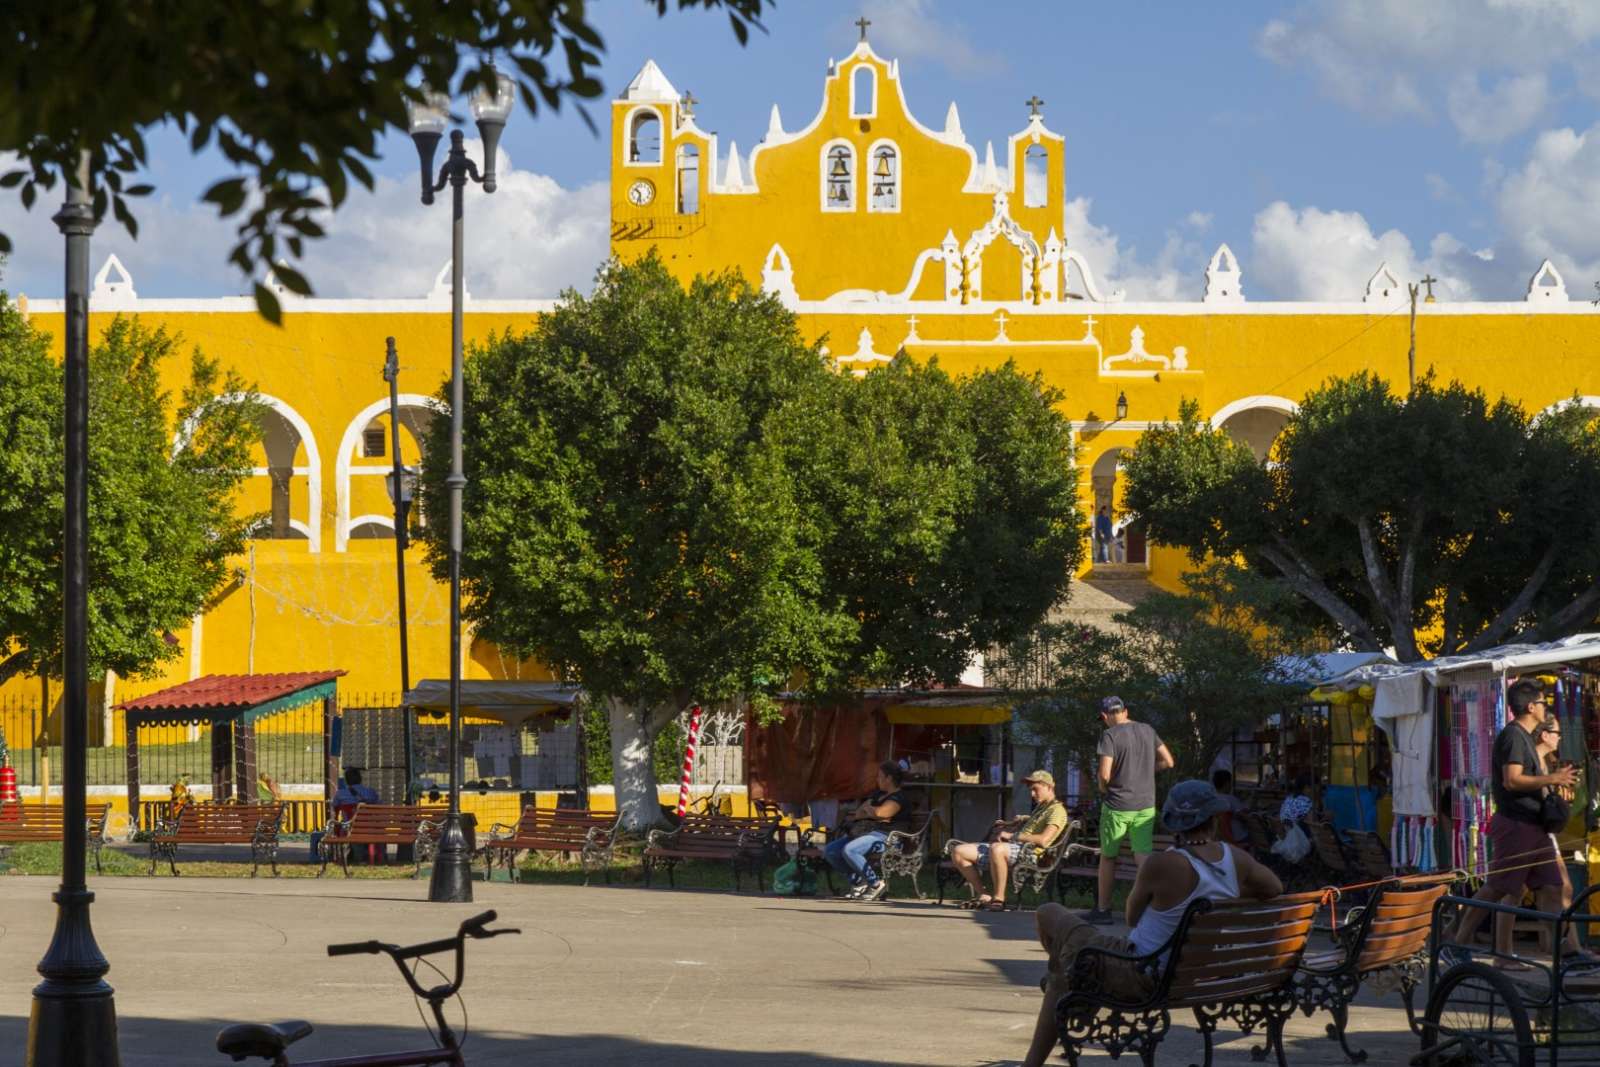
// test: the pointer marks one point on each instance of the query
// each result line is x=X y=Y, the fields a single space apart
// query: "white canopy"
x=1502 y=659
x=509 y=701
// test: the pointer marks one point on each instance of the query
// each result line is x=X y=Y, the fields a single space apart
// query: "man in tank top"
x=1198 y=866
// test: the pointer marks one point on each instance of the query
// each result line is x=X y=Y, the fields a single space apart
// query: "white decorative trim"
x=385 y=521
x=864 y=353
x=734 y=181
x=1137 y=359
x=342 y=471
x=1569 y=402
x=1383 y=285
x=1553 y=291
x=111 y=295
x=989 y=180
x=311 y=471
x=651 y=85
x=440 y=293
x=628 y=134
x=1222 y=278
x=775 y=134
x=1091 y=289
x=952 y=126
x=777 y=276
x=855 y=75
x=1263 y=402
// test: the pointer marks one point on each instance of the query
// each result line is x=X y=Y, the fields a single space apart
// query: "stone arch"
x=1255 y=421
x=284 y=433
x=688 y=179
x=643 y=124
x=1127 y=542
x=1571 y=401
x=416 y=411
x=1036 y=176
x=838 y=165
x=863 y=92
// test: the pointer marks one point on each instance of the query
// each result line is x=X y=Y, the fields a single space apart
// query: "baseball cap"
x=1042 y=777
x=1108 y=705
x=1189 y=804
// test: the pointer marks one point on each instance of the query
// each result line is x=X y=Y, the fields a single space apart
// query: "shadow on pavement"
x=148 y=1042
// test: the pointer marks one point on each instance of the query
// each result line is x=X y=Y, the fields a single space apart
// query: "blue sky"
x=1316 y=138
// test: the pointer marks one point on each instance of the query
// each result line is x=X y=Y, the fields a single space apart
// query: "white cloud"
x=1176 y=273
x=1514 y=104
x=1311 y=254
x=1551 y=206
x=912 y=29
x=1392 y=59
x=531 y=238
x=1199 y=221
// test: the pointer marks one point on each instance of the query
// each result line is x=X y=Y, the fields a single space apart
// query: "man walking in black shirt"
x=1520 y=853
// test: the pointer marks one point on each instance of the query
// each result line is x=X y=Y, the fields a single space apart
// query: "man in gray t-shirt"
x=1129 y=754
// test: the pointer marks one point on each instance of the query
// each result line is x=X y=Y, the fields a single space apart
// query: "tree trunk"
x=633 y=773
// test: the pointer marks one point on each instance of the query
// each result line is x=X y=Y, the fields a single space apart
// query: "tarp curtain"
x=816 y=754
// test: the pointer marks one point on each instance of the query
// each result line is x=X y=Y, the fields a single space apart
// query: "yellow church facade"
x=881 y=234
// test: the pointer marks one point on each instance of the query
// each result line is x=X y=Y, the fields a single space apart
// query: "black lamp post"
x=74 y=1021
x=399 y=482
x=452 y=870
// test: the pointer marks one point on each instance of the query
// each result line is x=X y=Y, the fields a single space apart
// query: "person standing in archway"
x=1130 y=754
x=1102 y=535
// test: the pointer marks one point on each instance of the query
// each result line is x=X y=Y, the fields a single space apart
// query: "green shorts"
x=1135 y=826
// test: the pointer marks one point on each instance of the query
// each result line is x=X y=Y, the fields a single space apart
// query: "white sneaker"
x=874 y=891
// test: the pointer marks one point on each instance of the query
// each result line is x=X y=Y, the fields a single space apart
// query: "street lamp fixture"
x=402 y=502
x=1122 y=406
x=491 y=107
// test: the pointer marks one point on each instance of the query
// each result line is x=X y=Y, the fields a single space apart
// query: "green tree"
x=297 y=98
x=951 y=517
x=672 y=498
x=632 y=517
x=162 y=522
x=1198 y=666
x=1437 y=523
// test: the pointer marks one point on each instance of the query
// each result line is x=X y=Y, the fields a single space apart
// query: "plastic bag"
x=793 y=880
x=1294 y=845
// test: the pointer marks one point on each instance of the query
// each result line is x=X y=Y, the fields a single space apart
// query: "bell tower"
x=661 y=162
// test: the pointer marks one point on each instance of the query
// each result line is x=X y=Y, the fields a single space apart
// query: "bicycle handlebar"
x=476 y=927
x=355 y=948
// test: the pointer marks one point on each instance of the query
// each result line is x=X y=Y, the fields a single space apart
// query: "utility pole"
x=1411 y=353
x=400 y=492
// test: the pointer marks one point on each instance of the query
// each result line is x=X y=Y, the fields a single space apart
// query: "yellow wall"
x=849 y=280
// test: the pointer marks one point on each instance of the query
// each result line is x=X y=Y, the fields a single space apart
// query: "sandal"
x=992 y=905
x=974 y=903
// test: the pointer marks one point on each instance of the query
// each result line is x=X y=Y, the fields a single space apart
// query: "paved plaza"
x=600 y=975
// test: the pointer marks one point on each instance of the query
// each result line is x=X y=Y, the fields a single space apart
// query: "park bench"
x=1386 y=937
x=1083 y=861
x=1036 y=871
x=24 y=824
x=904 y=852
x=1354 y=856
x=1229 y=959
x=381 y=824
x=590 y=834
x=255 y=825
x=743 y=842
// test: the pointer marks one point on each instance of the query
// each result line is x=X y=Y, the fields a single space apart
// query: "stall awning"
x=510 y=702
x=242 y=697
x=1502 y=659
x=957 y=709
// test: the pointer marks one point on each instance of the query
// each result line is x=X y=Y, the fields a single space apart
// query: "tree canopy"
x=296 y=97
x=672 y=498
x=1437 y=522
x=1198 y=666
x=161 y=520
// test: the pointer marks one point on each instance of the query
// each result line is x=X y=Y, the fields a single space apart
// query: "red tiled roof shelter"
x=231 y=704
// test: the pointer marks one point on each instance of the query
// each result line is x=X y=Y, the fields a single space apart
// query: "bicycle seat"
x=267 y=1040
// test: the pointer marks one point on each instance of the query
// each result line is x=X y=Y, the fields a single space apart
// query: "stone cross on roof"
x=1034 y=104
x=863 y=22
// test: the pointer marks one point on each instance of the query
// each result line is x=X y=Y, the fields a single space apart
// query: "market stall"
x=1441 y=717
x=516 y=737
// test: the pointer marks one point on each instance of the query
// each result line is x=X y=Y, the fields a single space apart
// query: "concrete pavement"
x=599 y=975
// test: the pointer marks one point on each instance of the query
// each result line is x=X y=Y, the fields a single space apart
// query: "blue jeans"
x=849 y=856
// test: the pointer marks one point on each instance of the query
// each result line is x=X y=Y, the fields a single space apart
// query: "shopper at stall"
x=867 y=828
x=1547 y=736
x=1037 y=830
x=1231 y=826
x=1198 y=866
x=1130 y=755
x=1520 y=854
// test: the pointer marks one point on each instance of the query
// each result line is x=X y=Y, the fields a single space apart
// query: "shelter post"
x=130 y=731
x=221 y=759
x=244 y=761
x=329 y=771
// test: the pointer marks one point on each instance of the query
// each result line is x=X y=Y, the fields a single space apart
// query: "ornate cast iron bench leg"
x=1080 y=1021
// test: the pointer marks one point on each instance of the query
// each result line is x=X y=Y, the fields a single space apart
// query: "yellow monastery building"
x=881 y=233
